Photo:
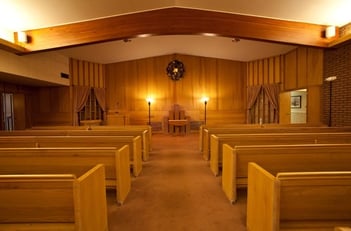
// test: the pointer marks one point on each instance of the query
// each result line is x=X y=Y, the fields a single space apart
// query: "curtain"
x=272 y=91
x=252 y=94
x=100 y=94
x=80 y=97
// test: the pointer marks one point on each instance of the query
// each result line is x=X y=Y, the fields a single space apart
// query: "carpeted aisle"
x=176 y=191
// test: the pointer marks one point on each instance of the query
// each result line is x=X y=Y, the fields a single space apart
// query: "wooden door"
x=19 y=111
x=284 y=108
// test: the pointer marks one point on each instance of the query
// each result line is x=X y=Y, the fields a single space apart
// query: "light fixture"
x=330 y=79
x=149 y=100
x=330 y=32
x=22 y=37
x=205 y=100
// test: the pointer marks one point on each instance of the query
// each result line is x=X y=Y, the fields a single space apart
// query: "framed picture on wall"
x=296 y=101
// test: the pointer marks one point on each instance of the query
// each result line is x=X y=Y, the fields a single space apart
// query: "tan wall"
x=128 y=84
x=42 y=66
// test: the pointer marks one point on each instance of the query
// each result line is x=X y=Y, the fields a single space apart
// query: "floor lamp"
x=149 y=101
x=330 y=80
x=205 y=100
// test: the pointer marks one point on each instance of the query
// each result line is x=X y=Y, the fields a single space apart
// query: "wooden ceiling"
x=172 y=21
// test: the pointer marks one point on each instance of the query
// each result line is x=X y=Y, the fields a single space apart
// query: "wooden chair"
x=177 y=122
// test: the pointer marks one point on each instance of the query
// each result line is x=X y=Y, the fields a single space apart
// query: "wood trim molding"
x=176 y=21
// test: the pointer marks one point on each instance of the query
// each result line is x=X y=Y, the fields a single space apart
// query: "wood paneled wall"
x=84 y=73
x=53 y=105
x=265 y=71
x=301 y=68
x=128 y=84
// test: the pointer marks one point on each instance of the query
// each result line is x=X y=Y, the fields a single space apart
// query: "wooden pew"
x=81 y=141
x=126 y=132
x=303 y=201
x=57 y=202
x=103 y=127
x=280 y=158
x=217 y=142
x=207 y=132
x=76 y=160
x=227 y=127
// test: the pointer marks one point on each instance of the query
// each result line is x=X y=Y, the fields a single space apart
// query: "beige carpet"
x=176 y=191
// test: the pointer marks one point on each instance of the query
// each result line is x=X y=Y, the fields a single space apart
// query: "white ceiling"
x=17 y=15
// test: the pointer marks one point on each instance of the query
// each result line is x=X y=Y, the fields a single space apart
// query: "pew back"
x=218 y=140
x=72 y=160
x=297 y=200
x=144 y=133
x=54 y=202
x=134 y=144
x=280 y=158
x=205 y=135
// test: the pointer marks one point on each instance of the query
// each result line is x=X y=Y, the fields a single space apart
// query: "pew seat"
x=57 y=202
x=300 y=201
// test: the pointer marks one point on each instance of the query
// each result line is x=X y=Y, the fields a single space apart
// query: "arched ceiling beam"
x=175 y=21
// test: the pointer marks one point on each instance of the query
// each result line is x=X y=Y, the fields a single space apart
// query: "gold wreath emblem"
x=175 y=70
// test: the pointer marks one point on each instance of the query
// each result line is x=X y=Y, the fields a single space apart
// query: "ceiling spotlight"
x=235 y=40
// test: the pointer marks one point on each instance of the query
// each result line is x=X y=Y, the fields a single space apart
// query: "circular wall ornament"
x=175 y=70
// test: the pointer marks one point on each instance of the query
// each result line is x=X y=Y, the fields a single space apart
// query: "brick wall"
x=337 y=62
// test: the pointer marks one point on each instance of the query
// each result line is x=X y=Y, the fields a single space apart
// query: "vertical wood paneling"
x=301 y=67
x=272 y=71
x=223 y=81
x=279 y=69
x=265 y=71
x=290 y=71
x=88 y=74
x=314 y=110
x=315 y=62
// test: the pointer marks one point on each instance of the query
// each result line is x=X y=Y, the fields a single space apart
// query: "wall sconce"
x=330 y=79
x=330 y=32
x=21 y=37
x=149 y=100
x=205 y=100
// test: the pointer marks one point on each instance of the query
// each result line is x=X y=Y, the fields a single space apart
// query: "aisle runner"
x=177 y=191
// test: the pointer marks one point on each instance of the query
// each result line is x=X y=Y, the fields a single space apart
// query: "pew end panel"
x=262 y=200
x=90 y=200
x=214 y=158
x=229 y=173
x=122 y=174
x=205 y=144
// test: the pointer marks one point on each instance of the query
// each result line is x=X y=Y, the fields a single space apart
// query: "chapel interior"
x=175 y=70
